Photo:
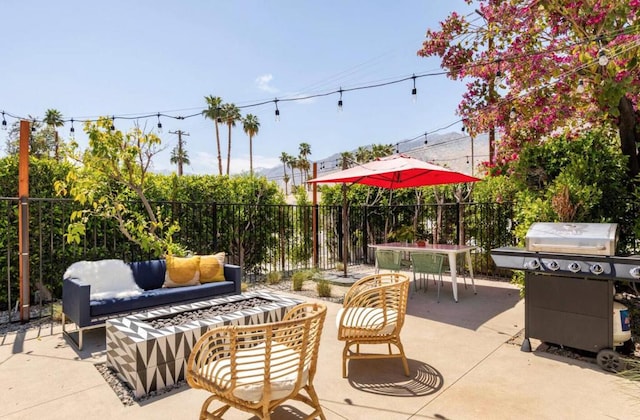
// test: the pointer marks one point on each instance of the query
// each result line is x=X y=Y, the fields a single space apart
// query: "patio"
x=463 y=363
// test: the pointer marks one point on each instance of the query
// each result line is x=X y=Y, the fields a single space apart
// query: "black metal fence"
x=260 y=238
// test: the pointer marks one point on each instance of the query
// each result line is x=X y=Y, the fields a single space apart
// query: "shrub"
x=274 y=277
x=324 y=288
x=299 y=277
x=297 y=280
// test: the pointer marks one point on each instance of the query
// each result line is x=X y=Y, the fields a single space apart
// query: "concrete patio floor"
x=462 y=361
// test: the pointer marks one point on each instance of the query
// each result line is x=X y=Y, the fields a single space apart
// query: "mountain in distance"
x=452 y=150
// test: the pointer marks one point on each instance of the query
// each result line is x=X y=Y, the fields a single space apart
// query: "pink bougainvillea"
x=562 y=64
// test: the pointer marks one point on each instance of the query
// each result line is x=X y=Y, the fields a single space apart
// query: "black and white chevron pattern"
x=149 y=359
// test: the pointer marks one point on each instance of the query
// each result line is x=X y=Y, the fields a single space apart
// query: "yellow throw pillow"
x=212 y=267
x=182 y=271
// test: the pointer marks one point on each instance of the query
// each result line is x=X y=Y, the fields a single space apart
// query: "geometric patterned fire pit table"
x=148 y=358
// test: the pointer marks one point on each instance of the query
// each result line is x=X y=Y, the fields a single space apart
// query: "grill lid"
x=573 y=238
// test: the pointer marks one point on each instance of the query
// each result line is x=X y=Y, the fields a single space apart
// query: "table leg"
x=454 y=268
x=473 y=283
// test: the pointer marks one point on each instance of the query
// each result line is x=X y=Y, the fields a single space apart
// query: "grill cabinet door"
x=570 y=311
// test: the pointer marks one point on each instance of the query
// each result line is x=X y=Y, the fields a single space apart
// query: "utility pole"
x=492 y=90
x=180 y=133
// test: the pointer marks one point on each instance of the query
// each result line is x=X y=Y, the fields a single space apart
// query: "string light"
x=499 y=74
x=159 y=124
x=580 y=88
x=340 y=100
x=4 y=122
x=112 y=126
x=414 y=91
x=72 y=130
x=425 y=138
x=603 y=59
x=277 y=110
x=33 y=126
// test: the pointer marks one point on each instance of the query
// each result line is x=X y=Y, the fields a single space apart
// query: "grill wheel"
x=610 y=360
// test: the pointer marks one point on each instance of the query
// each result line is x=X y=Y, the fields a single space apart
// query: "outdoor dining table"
x=451 y=251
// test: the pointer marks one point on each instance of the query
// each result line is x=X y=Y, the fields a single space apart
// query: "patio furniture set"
x=253 y=359
x=425 y=260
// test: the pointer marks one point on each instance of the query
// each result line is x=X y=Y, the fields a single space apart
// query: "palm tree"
x=285 y=158
x=53 y=118
x=293 y=164
x=213 y=112
x=304 y=150
x=230 y=114
x=251 y=126
x=180 y=156
x=285 y=178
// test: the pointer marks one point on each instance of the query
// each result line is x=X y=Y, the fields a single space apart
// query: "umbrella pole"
x=345 y=227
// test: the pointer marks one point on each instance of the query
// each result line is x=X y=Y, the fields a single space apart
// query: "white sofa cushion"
x=108 y=278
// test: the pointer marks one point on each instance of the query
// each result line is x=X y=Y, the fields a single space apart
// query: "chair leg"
x=405 y=364
x=345 y=356
x=205 y=414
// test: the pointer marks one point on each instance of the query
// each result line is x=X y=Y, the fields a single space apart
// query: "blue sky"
x=89 y=58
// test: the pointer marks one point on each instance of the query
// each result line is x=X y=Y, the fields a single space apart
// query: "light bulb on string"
x=33 y=126
x=4 y=122
x=414 y=91
x=425 y=138
x=112 y=127
x=277 y=110
x=159 y=124
x=340 y=101
x=580 y=88
x=72 y=130
x=603 y=59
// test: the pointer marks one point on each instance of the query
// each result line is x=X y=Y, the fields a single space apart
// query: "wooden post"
x=23 y=220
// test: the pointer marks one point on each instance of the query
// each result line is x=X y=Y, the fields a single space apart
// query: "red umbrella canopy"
x=396 y=171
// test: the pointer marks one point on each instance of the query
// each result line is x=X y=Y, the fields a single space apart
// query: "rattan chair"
x=427 y=264
x=388 y=259
x=256 y=368
x=373 y=312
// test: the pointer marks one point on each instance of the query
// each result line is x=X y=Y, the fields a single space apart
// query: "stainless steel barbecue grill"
x=570 y=270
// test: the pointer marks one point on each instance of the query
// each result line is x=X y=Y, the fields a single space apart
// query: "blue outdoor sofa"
x=149 y=276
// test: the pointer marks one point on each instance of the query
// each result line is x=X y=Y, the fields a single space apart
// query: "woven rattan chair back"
x=256 y=368
x=373 y=312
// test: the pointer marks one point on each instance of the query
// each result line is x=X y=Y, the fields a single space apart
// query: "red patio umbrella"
x=396 y=171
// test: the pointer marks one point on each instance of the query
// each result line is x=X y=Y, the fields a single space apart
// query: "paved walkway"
x=462 y=361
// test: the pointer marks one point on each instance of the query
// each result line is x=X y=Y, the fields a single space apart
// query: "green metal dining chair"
x=387 y=259
x=427 y=264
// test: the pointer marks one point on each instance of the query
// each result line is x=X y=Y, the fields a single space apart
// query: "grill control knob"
x=574 y=267
x=635 y=272
x=596 y=268
x=532 y=265
x=553 y=265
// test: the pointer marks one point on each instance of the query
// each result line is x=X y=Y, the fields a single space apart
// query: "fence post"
x=23 y=220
